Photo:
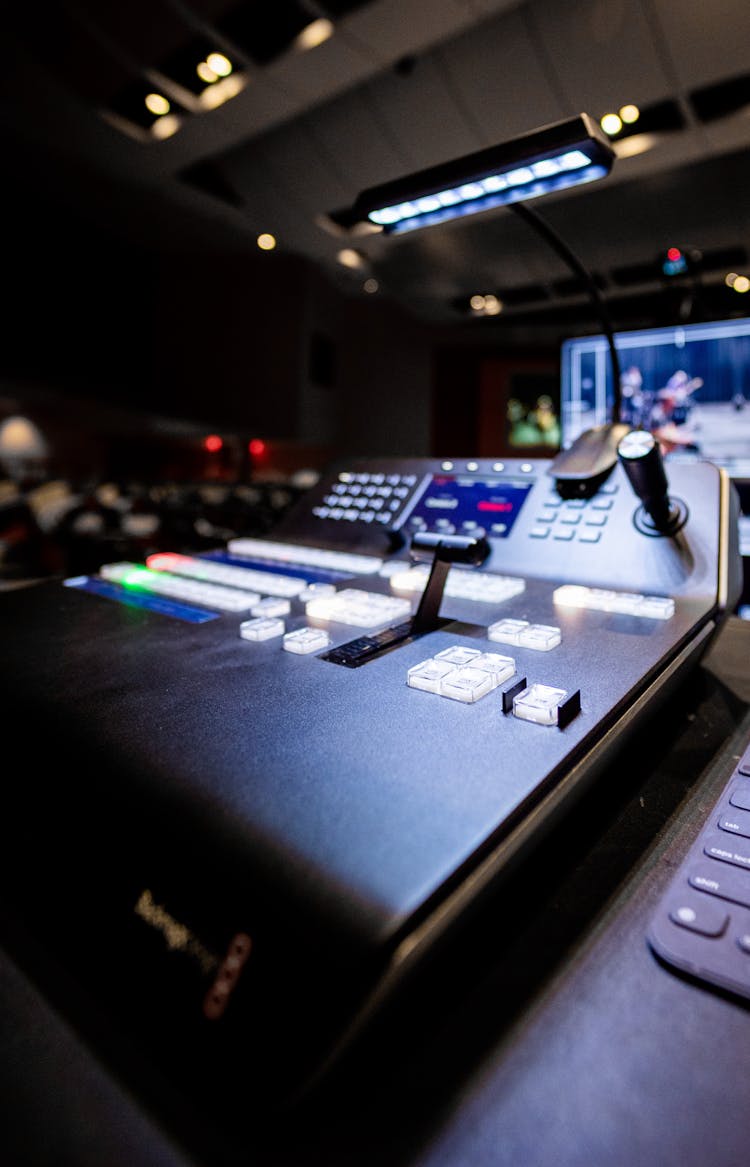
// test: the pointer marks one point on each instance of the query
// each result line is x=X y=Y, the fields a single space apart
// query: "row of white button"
x=301 y=642
x=133 y=575
x=541 y=637
x=226 y=573
x=359 y=608
x=604 y=600
x=461 y=584
x=305 y=556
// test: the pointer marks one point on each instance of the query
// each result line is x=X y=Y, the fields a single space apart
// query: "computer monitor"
x=688 y=383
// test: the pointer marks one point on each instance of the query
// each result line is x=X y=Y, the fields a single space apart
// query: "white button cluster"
x=541 y=637
x=359 y=608
x=461 y=583
x=463 y=674
x=604 y=600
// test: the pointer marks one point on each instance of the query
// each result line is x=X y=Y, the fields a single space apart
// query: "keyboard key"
x=306 y=640
x=458 y=655
x=722 y=881
x=466 y=684
x=709 y=919
x=735 y=822
x=539 y=703
x=428 y=675
x=263 y=628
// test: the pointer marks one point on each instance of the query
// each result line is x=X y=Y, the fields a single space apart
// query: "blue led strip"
x=134 y=599
x=569 y=168
x=294 y=570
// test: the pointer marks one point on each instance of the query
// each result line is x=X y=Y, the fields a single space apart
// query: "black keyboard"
x=702 y=923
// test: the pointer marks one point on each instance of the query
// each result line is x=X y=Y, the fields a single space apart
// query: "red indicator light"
x=163 y=560
x=212 y=443
x=485 y=505
x=673 y=254
x=257 y=447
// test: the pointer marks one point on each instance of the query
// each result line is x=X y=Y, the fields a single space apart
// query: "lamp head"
x=553 y=158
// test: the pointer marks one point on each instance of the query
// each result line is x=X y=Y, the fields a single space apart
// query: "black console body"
x=239 y=851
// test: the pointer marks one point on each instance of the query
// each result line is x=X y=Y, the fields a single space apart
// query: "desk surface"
x=548 y=1034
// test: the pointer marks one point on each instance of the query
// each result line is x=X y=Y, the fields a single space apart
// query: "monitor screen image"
x=689 y=384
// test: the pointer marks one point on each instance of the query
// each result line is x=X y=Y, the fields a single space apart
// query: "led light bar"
x=560 y=155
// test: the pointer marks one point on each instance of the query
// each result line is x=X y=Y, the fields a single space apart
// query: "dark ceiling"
x=400 y=85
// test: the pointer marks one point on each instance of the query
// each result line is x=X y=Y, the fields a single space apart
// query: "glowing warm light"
x=266 y=242
x=223 y=88
x=257 y=447
x=212 y=443
x=206 y=73
x=630 y=114
x=741 y=284
x=19 y=436
x=729 y=278
x=371 y=286
x=611 y=123
x=488 y=305
x=314 y=34
x=634 y=144
x=673 y=254
x=219 y=64
x=350 y=258
x=165 y=127
x=157 y=104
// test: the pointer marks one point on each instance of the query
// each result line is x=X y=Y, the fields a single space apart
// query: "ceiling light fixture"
x=350 y=258
x=629 y=114
x=315 y=34
x=611 y=123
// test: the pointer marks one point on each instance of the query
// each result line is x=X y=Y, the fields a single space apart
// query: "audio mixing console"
x=267 y=779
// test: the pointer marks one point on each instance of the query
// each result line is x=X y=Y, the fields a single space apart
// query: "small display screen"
x=469 y=505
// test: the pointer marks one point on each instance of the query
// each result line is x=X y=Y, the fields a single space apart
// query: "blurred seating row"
x=61 y=527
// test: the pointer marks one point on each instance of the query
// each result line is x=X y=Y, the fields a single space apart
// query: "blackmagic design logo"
x=177 y=936
x=226 y=971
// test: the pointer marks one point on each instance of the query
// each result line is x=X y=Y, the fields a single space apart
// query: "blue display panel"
x=469 y=505
x=688 y=384
x=135 y=599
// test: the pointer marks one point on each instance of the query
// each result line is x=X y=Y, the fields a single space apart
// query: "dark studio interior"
x=461 y=878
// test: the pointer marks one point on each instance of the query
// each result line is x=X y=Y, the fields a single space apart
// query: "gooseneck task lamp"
x=564 y=154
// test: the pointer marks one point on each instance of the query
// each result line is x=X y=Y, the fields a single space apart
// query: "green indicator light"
x=139 y=578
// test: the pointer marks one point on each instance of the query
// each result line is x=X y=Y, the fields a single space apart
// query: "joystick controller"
x=443 y=550
x=642 y=461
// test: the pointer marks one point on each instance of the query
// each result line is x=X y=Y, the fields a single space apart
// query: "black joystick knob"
x=641 y=459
